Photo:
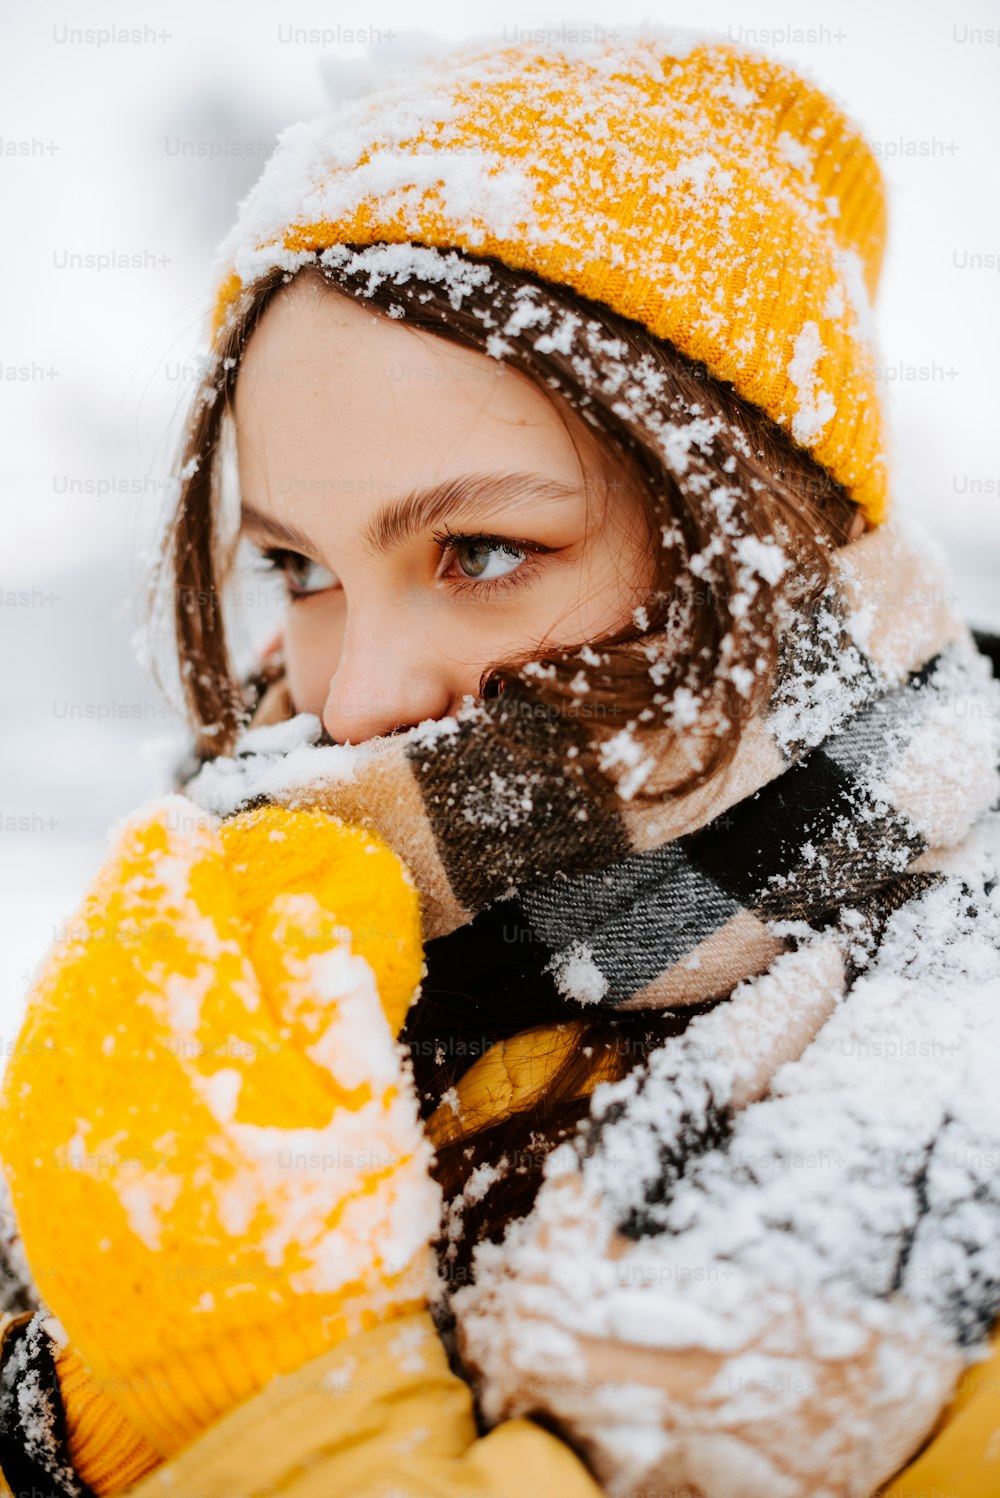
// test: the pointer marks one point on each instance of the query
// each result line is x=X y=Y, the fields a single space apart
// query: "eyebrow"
x=409 y=515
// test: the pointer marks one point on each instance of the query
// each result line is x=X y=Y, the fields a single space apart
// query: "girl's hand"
x=209 y=1127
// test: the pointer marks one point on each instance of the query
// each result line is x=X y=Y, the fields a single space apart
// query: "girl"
x=569 y=974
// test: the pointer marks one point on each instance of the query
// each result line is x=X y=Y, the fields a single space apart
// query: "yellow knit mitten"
x=208 y=1124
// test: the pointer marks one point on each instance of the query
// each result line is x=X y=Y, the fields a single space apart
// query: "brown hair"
x=710 y=471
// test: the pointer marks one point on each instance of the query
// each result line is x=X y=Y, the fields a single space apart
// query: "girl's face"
x=426 y=507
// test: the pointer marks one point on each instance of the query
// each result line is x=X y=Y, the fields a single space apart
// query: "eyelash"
x=278 y=559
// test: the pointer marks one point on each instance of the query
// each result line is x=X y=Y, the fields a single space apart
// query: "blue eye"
x=303 y=577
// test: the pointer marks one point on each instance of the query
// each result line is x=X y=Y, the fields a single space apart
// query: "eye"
x=486 y=557
x=488 y=564
x=302 y=576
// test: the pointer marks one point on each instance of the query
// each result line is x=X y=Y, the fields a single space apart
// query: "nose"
x=387 y=681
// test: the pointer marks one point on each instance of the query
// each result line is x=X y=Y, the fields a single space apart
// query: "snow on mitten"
x=208 y=1124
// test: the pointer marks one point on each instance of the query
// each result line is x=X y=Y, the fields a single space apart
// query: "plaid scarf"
x=876 y=749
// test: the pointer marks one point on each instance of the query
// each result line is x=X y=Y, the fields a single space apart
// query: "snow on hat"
x=702 y=189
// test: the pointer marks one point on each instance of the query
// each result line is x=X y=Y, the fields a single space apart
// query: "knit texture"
x=704 y=190
x=215 y=1137
x=107 y=1452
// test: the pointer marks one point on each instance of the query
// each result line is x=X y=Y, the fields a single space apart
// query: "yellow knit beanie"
x=702 y=189
x=212 y=1142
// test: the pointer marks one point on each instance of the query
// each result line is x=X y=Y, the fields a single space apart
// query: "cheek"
x=313 y=637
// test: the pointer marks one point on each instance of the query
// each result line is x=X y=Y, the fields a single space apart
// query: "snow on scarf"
x=797 y=1191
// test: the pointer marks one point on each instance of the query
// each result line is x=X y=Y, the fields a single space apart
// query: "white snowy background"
x=143 y=148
